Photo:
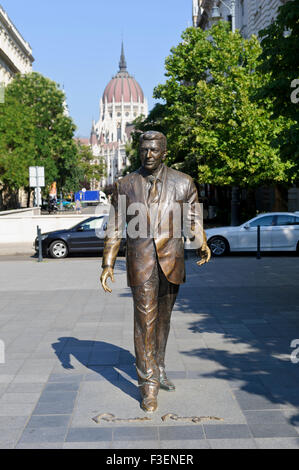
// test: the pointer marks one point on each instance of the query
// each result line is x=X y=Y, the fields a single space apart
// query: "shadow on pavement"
x=246 y=334
x=103 y=358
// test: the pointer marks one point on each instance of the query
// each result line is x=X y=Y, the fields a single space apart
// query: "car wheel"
x=58 y=249
x=218 y=246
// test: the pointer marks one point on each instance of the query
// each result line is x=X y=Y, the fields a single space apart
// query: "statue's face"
x=152 y=154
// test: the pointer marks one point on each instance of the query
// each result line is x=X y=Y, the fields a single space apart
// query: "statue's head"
x=153 y=149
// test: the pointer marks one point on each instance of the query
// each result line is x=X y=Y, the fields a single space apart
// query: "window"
x=94 y=224
x=242 y=8
x=265 y=221
x=284 y=219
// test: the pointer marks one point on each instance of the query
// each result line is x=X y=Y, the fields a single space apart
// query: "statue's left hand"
x=205 y=254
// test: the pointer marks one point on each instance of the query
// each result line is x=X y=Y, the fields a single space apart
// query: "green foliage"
x=35 y=131
x=87 y=169
x=215 y=131
x=280 y=64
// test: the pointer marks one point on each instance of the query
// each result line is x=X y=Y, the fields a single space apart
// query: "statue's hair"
x=154 y=135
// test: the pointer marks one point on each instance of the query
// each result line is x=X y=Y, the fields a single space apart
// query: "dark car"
x=86 y=236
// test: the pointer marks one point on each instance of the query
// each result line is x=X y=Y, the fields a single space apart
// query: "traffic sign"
x=36 y=176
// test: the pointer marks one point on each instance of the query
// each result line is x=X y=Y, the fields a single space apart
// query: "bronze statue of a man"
x=155 y=255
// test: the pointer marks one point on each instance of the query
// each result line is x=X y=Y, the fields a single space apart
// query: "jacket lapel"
x=138 y=188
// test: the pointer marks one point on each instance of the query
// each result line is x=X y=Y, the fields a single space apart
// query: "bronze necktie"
x=153 y=194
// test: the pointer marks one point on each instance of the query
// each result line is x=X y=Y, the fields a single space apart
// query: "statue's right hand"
x=106 y=273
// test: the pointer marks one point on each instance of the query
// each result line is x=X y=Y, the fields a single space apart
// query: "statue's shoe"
x=149 y=404
x=165 y=383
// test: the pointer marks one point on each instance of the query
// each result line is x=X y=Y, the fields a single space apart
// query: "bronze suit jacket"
x=142 y=251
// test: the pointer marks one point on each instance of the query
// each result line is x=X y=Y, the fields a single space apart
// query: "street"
x=69 y=357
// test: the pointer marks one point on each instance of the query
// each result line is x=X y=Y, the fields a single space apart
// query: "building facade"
x=251 y=15
x=15 y=52
x=122 y=102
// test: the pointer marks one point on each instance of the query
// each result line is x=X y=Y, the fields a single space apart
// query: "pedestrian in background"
x=78 y=206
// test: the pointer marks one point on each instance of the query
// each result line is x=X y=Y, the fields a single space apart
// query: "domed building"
x=122 y=102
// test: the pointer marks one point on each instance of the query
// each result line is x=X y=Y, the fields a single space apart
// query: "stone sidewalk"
x=16 y=249
x=69 y=356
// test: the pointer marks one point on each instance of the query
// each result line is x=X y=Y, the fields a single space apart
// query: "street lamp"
x=215 y=15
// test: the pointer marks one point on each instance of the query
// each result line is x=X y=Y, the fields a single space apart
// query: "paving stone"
x=58 y=396
x=89 y=445
x=278 y=443
x=6 y=378
x=272 y=430
x=66 y=377
x=137 y=433
x=62 y=387
x=54 y=408
x=89 y=435
x=19 y=398
x=223 y=431
x=185 y=444
x=9 y=437
x=31 y=378
x=169 y=433
x=48 y=434
x=10 y=422
x=25 y=387
x=16 y=409
x=265 y=417
x=233 y=444
x=255 y=398
x=48 y=421
x=135 y=444
x=40 y=445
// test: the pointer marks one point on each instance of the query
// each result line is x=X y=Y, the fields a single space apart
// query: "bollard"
x=258 y=252
x=40 y=250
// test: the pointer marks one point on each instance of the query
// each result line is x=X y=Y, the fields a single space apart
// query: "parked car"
x=279 y=232
x=86 y=236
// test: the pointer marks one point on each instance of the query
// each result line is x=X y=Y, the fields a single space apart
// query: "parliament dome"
x=123 y=87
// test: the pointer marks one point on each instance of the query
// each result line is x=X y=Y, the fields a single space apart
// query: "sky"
x=78 y=43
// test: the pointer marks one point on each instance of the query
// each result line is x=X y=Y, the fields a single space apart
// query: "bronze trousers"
x=153 y=304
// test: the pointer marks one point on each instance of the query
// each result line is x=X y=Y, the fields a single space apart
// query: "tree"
x=88 y=167
x=280 y=64
x=215 y=131
x=34 y=130
x=16 y=145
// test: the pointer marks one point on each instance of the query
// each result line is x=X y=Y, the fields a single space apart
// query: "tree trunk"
x=29 y=196
x=235 y=206
x=280 y=198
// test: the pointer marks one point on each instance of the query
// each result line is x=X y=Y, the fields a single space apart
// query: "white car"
x=279 y=232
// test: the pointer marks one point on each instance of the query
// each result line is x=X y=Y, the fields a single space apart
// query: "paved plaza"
x=69 y=356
